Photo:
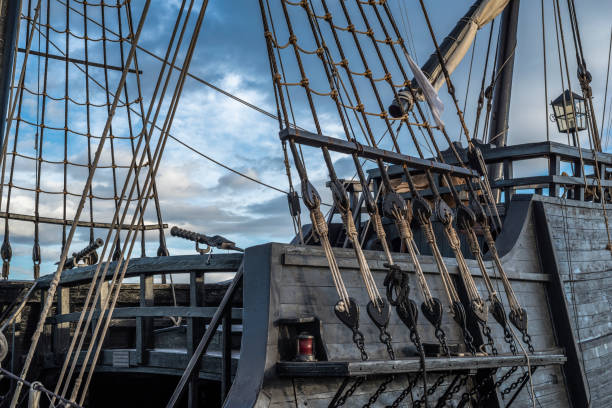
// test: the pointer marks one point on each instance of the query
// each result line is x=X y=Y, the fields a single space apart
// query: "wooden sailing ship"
x=432 y=281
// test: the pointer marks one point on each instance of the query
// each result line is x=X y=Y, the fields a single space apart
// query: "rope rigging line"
x=57 y=275
x=136 y=169
x=590 y=121
x=603 y=111
x=309 y=195
x=6 y=250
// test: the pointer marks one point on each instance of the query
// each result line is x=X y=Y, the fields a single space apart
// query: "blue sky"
x=231 y=53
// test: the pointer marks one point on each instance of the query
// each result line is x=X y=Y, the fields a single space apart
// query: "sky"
x=231 y=53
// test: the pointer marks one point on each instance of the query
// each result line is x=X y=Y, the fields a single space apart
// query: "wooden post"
x=508 y=175
x=226 y=353
x=579 y=189
x=554 y=169
x=195 y=330
x=61 y=335
x=144 y=325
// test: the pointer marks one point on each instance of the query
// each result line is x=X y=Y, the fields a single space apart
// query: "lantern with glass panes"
x=570 y=117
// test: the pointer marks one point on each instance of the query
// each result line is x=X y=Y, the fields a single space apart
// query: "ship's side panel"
x=579 y=236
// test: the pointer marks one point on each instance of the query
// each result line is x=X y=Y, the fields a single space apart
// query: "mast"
x=503 y=86
x=9 y=17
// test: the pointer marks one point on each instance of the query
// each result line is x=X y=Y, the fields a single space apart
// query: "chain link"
x=527 y=341
x=342 y=400
x=515 y=384
x=359 y=341
x=441 y=336
x=385 y=338
x=381 y=388
x=509 y=338
x=452 y=391
x=405 y=392
x=429 y=393
x=487 y=332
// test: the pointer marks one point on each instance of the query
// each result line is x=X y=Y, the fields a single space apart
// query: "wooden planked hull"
x=284 y=283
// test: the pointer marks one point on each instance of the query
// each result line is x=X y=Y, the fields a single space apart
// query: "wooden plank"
x=61 y=332
x=156 y=311
x=381 y=367
x=574 y=372
x=152 y=266
x=144 y=325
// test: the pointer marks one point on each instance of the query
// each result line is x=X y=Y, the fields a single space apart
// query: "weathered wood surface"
x=580 y=239
x=152 y=266
x=301 y=286
x=360 y=368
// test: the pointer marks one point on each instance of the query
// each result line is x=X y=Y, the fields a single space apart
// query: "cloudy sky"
x=199 y=195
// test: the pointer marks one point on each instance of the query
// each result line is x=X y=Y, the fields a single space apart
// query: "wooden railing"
x=196 y=314
x=554 y=180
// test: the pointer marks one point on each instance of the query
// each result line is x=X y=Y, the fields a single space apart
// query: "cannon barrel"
x=216 y=241
x=88 y=249
x=189 y=235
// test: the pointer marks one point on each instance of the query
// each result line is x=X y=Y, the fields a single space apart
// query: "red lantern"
x=305 y=347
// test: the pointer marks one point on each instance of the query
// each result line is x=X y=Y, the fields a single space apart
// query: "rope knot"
x=351 y=28
x=344 y=63
x=360 y=108
x=334 y=94
x=327 y=17
x=304 y=82
x=368 y=73
x=292 y=39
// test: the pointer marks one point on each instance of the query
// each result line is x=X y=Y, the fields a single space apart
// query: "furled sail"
x=453 y=49
x=458 y=42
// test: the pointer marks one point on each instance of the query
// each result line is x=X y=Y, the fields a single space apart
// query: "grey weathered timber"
x=153 y=266
x=359 y=368
x=343 y=146
x=300 y=288
x=206 y=313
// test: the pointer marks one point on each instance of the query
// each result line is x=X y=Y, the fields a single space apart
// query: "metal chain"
x=359 y=341
x=527 y=341
x=487 y=332
x=385 y=338
x=441 y=336
x=509 y=338
x=515 y=384
x=342 y=400
x=430 y=391
x=452 y=391
x=405 y=392
x=381 y=388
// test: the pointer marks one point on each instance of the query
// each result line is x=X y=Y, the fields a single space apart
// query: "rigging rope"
x=56 y=277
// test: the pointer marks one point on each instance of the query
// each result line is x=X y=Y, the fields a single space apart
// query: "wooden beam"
x=59 y=221
x=311 y=139
x=144 y=325
x=382 y=367
x=205 y=313
x=152 y=266
x=575 y=376
x=78 y=61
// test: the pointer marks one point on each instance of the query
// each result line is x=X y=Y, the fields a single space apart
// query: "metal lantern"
x=570 y=118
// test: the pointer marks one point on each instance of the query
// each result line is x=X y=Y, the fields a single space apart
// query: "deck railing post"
x=226 y=352
x=579 y=189
x=144 y=325
x=554 y=169
x=508 y=175
x=61 y=335
x=195 y=329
